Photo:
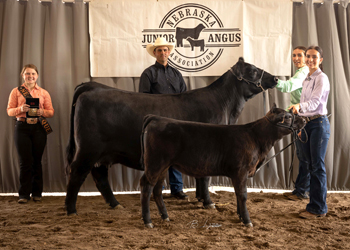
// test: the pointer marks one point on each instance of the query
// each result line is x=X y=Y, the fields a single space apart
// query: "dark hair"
x=301 y=48
x=319 y=50
x=30 y=66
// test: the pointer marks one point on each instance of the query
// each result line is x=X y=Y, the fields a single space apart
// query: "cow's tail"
x=71 y=148
x=146 y=121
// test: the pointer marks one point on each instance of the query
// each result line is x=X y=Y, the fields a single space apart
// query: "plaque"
x=34 y=106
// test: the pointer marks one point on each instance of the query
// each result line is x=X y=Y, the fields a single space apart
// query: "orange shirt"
x=16 y=100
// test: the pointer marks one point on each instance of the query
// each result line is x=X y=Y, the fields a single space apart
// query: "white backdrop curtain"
x=54 y=36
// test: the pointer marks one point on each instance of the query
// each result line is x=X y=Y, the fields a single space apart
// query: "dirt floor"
x=45 y=225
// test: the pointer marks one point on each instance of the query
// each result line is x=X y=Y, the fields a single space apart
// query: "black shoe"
x=180 y=195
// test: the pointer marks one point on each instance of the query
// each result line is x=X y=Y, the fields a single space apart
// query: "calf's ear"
x=273 y=107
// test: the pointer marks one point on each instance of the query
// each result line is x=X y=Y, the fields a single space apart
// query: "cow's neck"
x=226 y=90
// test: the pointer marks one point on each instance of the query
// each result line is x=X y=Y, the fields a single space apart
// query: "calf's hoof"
x=149 y=225
x=248 y=224
x=210 y=206
x=166 y=219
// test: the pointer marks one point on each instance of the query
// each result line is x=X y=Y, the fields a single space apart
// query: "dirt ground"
x=45 y=225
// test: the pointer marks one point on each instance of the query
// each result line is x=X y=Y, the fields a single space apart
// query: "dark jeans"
x=175 y=180
x=312 y=155
x=30 y=140
x=302 y=183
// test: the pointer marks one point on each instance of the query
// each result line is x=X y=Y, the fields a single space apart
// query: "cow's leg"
x=158 y=197
x=146 y=190
x=100 y=176
x=77 y=176
x=202 y=192
x=198 y=190
x=240 y=185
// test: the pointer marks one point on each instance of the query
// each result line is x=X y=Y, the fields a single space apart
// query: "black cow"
x=106 y=124
x=183 y=33
x=200 y=149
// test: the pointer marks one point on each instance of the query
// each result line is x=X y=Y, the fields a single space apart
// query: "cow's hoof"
x=118 y=207
x=210 y=206
x=167 y=219
x=114 y=205
x=149 y=225
x=72 y=214
x=248 y=225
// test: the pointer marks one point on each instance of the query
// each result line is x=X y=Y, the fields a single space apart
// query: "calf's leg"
x=158 y=197
x=146 y=190
x=100 y=176
x=241 y=195
x=202 y=192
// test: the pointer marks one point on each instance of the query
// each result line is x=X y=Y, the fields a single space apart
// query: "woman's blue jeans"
x=302 y=183
x=312 y=155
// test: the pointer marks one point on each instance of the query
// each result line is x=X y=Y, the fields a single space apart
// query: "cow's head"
x=258 y=79
x=285 y=120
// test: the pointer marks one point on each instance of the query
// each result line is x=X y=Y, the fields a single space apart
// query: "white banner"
x=209 y=36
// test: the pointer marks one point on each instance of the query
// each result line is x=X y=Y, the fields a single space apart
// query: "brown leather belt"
x=28 y=120
x=310 y=118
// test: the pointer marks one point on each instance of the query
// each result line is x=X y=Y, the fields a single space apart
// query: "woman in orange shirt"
x=30 y=137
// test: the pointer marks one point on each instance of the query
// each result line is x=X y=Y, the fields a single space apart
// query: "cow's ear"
x=239 y=68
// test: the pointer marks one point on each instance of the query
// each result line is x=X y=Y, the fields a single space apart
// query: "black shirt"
x=158 y=79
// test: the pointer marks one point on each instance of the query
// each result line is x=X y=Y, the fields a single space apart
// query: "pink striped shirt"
x=16 y=100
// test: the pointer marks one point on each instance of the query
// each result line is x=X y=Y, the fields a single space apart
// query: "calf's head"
x=257 y=79
x=287 y=121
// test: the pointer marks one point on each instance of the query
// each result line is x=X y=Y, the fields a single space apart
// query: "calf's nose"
x=276 y=79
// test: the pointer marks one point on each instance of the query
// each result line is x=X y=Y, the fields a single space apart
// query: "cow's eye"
x=253 y=73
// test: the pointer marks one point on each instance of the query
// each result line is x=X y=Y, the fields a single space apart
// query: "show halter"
x=295 y=135
x=257 y=83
